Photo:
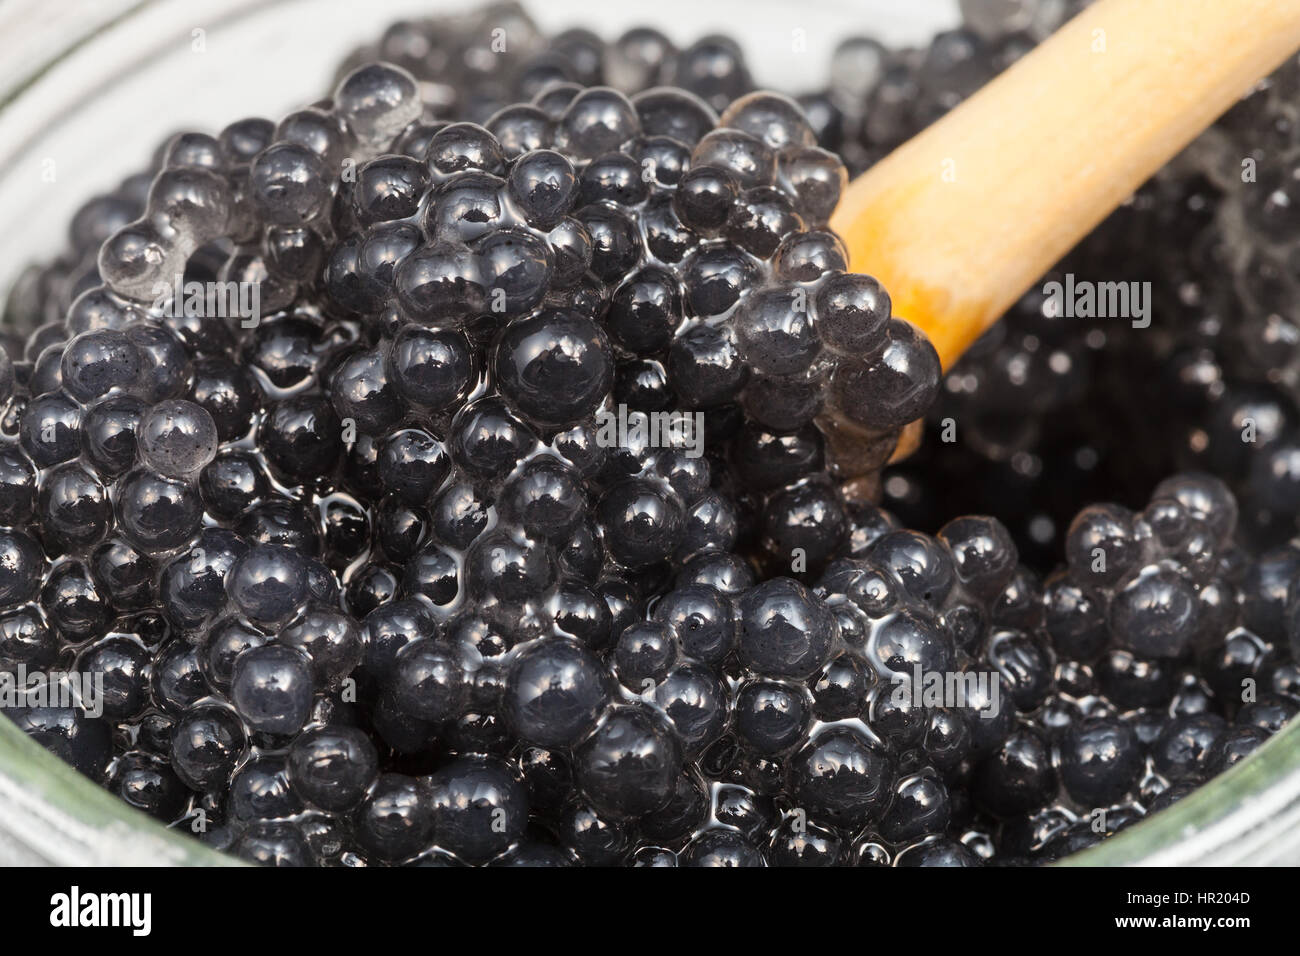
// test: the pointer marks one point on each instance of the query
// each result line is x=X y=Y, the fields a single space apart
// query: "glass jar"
x=89 y=86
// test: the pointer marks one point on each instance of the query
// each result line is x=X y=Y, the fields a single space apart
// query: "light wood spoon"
x=961 y=220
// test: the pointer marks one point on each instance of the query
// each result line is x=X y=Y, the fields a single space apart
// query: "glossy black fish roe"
x=529 y=515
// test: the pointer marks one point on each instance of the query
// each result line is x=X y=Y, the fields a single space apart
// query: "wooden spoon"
x=960 y=221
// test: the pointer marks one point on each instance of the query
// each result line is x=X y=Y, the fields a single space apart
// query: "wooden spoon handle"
x=960 y=221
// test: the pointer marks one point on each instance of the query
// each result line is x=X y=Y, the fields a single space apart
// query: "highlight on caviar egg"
x=494 y=460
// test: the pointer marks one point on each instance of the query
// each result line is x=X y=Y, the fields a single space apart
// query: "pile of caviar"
x=507 y=526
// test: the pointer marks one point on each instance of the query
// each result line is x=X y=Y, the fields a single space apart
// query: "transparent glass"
x=88 y=87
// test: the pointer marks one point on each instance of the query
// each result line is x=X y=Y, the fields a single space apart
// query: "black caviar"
x=505 y=524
